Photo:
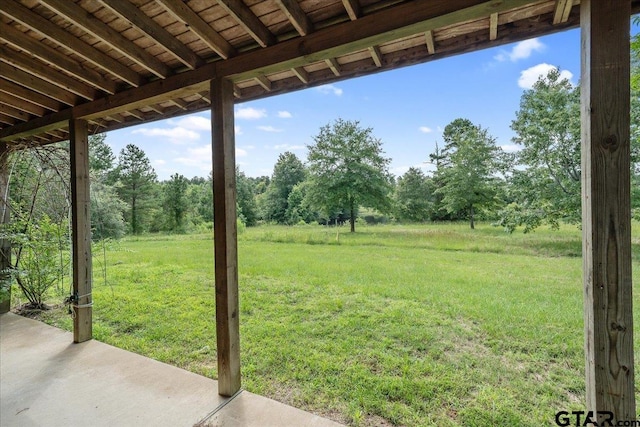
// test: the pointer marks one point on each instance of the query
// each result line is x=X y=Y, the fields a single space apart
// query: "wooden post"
x=80 y=231
x=5 y=244
x=606 y=208
x=225 y=236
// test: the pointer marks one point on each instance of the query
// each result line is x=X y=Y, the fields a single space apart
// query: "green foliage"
x=298 y=208
x=287 y=173
x=107 y=221
x=175 y=206
x=468 y=167
x=547 y=186
x=136 y=185
x=246 y=199
x=348 y=170
x=41 y=262
x=414 y=196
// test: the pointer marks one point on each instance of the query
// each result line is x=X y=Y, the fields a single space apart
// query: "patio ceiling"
x=118 y=63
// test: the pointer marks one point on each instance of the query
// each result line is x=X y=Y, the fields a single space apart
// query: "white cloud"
x=425 y=129
x=237 y=130
x=531 y=75
x=249 y=113
x=177 y=134
x=199 y=158
x=284 y=114
x=160 y=162
x=521 y=50
x=329 y=89
x=193 y=123
x=288 y=147
x=269 y=129
x=241 y=153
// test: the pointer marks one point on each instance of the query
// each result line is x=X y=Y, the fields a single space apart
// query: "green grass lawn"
x=431 y=325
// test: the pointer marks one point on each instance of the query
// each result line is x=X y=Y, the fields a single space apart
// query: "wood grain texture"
x=606 y=210
x=41 y=25
x=249 y=21
x=225 y=236
x=81 y=230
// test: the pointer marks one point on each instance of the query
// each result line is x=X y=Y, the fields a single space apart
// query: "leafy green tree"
x=348 y=170
x=469 y=168
x=287 y=173
x=175 y=202
x=136 y=185
x=247 y=207
x=298 y=207
x=545 y=184
x=414 y=196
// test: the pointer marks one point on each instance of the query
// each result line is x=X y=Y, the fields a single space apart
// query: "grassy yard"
x=431 y=325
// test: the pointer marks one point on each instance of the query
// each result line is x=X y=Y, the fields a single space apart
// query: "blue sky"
x=407 y=109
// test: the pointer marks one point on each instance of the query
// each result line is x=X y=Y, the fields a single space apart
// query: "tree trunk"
x=352 y=219
x=471 y=223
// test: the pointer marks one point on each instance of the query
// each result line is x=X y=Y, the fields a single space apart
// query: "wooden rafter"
x=264 y=82
x=376 y=55
x=37 y=84
x=7 y=120
x=332 y=63
x=56 y=34
x=89 y=23
x=51 y=56
x=296 y=16
x=155 y=31
x=14 y=112
x=215 y=41
x=180 y=104
x=21 y=92
x=249 y=21
x=42 y=71
x=22 y=105
x=562 y=11
x=493 y=26
x=431 y=47
x=353 y=9
x=301 y=74
x=205 y=96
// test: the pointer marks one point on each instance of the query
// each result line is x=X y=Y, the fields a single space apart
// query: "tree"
x=348 y=170
x=175 y=206
x=546 y=187
x=247 y=209
x=287 y=173
x=414 y=196
x=469 y=167
x=137 y=180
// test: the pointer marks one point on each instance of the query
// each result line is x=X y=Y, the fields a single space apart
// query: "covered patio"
x=74 y=68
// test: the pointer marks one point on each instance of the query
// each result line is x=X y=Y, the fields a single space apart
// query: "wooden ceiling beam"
x=264 y=82
x=21 y=92
x=562 y=11
x=180 y=104
x=37 y=23
x=51 y=56
x=296 y=16
x=92 y=25
x=377 y=28
x=44 y=72
x=184 y=13
x=353 y=9
x=301 y=74
x=493 y=26
x=249 y=21
x=332 y=63
x=14 y=112
x=205 y=95
x=155 y=31
x=376 y=55
x=4 y=119
x=22 y=104
x=27 y=80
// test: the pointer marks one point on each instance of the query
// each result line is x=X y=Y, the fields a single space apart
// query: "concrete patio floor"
x=46 y=380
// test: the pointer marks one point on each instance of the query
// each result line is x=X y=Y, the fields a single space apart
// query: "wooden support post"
x=225 y=236
x=80 y=231
x=606 y=211
x=5 y=244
